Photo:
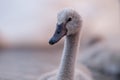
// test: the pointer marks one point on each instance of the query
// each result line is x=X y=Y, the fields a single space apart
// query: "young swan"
x=69 y=25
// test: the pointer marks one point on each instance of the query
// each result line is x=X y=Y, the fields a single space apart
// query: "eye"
x=69 y=19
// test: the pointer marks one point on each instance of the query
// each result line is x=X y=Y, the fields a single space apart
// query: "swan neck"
x=67 y=66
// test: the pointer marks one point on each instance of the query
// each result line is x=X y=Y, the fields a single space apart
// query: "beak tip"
x=51 y=42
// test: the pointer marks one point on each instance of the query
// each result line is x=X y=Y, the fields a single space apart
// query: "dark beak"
x=60 y=32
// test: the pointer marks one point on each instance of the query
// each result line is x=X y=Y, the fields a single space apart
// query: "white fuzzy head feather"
x=72 y=26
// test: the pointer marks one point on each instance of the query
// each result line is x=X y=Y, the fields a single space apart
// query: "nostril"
x=58 y=31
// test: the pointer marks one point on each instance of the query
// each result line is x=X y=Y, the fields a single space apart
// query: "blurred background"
x=27 y=25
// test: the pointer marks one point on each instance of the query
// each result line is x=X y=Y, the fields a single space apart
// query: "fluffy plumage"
x=69 y=25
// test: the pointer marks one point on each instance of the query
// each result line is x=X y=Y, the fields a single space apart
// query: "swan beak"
x=60 y=32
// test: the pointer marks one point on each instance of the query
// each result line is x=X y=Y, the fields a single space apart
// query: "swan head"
x=68 y=23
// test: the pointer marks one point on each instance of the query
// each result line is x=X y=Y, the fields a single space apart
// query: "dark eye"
x=69 y=19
